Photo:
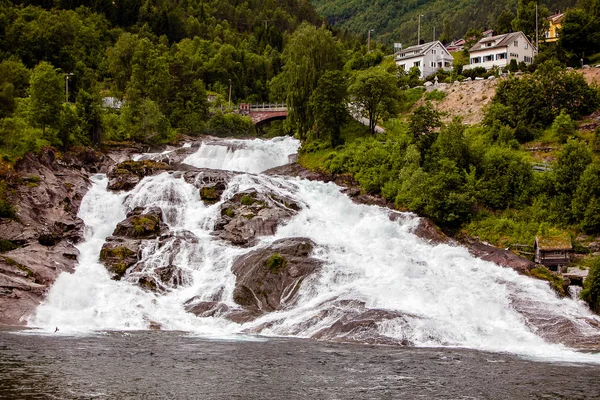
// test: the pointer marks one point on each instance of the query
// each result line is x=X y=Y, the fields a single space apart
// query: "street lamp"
x=419 y=31
x=67 y=75
x=229 y=96
x=369 y=40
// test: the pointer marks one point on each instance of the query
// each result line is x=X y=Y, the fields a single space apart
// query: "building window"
x=417 y=64
x=433 y=51
x=488 y=58
x=475 y=60
x=447 y=64
x=501 y=56
x=403 y=66
x=526 y=46
x=516 y=43
x=514 y=55
x=489 y=44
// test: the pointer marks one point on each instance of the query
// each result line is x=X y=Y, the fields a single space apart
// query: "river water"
x=476 y=330
x=176 y=365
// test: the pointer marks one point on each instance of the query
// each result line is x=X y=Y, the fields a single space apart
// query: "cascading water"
x=439 y=295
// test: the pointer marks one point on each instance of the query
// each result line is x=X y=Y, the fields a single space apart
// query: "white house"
x=429 y=57
x=497 y=51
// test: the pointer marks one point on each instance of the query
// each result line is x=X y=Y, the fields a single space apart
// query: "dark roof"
x=559 y=242
x=500 y=41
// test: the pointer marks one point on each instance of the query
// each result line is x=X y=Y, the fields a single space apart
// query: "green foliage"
x=209 y=194
x=145 y=224
x=328 y=106
x=247 y=200
x=143 y=121
x=410 y=97
x=532 y=102
x=435 y=95
x=591 y=286
x=375 y=95
x=46 y=92
x=586 y=202
x=309 y=53
x=6 y=245
x=7 y=210
x=421 y=125
x=225 y=125
x=563 y=127
x=580 y=32
x=275 y=263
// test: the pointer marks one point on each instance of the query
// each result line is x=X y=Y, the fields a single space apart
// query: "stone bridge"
x=263 y=113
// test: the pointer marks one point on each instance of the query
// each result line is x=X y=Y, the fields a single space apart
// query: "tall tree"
x=329 y=105
x=375 y=94
x=46 y=91
x=309 y=53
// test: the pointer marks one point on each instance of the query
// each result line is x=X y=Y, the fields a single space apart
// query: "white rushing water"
x=443 y=296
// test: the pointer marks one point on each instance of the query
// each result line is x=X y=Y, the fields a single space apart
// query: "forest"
x=397 y=21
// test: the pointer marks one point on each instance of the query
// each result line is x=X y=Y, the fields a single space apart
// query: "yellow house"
x=554 y=28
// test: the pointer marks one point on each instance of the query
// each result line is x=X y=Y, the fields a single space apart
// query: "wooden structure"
x=552 y=251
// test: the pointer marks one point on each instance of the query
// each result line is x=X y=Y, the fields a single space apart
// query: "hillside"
x=397 y=21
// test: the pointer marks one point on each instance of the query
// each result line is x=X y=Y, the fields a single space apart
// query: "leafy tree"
x=526 y=15
x=571 y=163
x=586 y=202
x=422 y=124
x=506 y=179
x=46 y=91
x=591 y=286
x=375 y=95
x=149 y=72
x=309 y=53
x=450 y=144
x=580 y=33
x=504 y=22
x=329 y=105
x=144 y=122
x=563 y=126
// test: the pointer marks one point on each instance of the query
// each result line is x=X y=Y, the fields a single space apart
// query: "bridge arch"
x=264 y=113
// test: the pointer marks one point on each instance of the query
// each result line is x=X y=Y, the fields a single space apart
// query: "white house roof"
x=498 y=41
x=417 y=51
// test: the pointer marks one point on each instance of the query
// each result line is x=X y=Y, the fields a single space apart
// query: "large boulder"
x=127 y=174
x=142 y=224
x=251 y=214
x=119 y=254
x=210 y=183
x=268 y=279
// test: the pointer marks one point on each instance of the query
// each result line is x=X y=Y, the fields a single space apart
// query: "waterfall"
x=439 y=294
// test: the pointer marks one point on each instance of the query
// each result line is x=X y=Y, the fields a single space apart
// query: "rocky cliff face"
x=47 y=191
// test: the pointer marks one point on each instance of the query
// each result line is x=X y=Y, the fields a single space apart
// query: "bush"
x=437 y=95
x=563 y=127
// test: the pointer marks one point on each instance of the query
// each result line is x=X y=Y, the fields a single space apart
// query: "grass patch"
x=275 y=263
x=435 y=95
x=145 y=224
x=209 y=194
x=412 y=96
x=247 y=200
x=20 y=266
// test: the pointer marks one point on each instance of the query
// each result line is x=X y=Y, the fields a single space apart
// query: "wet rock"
x=498 y=256
x=268 y=279
x=429 y=231
x=205 y=309
x=251 y=214
x=210 y=183
x=119 y=254
x=127 y=174
x=37 y=245
x=159 y=279
x=142 y=224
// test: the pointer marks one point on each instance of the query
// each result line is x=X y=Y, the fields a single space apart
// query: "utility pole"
x=537 y=40
x=419 y=31
x=434 y=33
x=67 y=75
x=229 y=107
x=369 y=40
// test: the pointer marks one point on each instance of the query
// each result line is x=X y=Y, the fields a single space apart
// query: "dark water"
x=171 y=365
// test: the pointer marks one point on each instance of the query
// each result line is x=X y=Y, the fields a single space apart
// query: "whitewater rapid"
x=446 y=297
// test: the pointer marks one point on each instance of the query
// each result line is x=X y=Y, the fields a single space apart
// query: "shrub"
x=591 y=286
x=224 y=125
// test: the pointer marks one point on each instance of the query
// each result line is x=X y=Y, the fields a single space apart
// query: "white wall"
x=437 y=54
x=519 y=52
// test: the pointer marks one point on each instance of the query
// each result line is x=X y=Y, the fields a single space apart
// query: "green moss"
x=6 y=245
x=228 y=212
x=545 y=274
x=209 y=194
x=23 y=268
x=118 y=253
x=31 y=180
x=145 y=224
x=247 y=200
x=275 y=263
